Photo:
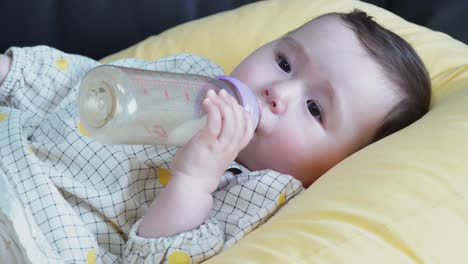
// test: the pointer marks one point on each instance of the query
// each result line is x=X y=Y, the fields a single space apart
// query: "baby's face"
x=322 y=97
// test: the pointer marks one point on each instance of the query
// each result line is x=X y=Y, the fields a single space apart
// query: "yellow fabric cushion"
x=403 y=199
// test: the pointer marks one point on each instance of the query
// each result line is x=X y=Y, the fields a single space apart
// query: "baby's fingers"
x=213 y=123
x=239 y=122
x=248 y=129
x=227 y=137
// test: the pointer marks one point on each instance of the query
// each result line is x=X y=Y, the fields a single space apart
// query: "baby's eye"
x=315 y=110
x=284 y=64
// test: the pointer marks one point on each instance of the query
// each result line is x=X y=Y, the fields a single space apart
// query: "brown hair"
x=402 y=66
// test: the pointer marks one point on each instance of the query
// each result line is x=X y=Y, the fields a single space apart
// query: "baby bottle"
x=119 y=105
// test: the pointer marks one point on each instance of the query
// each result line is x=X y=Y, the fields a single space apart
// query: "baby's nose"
x=276 y=100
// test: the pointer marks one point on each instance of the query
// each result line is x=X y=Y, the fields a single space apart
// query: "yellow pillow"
x=403 y=199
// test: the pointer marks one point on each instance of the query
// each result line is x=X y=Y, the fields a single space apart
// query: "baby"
x=326 y=90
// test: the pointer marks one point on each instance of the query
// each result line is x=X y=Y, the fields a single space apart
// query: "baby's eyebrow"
x=295 y=45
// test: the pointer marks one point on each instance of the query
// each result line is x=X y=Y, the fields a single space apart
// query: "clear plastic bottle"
x=119 y=105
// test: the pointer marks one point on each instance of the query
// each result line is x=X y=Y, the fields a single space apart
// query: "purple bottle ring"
x=247 y=98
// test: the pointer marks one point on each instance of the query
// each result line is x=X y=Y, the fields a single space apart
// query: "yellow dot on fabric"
x=91 y=257
x=82 y=130
x=164 y=175
x=178 y=257
x=62 y=64
x=30 y=150
x=3 y=116
x=281 y=199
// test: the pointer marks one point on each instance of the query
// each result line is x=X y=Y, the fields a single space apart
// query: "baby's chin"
x=247 y=158
x=244 y=162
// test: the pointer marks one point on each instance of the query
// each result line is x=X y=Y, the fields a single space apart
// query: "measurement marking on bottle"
x=187 y=96
x=159 y=131
x=166 y=93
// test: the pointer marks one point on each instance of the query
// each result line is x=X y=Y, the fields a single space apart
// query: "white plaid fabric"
x=86 y=198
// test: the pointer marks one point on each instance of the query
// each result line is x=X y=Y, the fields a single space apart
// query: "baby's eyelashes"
x=283 y=63
x=315 y=110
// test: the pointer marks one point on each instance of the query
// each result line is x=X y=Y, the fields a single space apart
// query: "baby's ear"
x=5 y=62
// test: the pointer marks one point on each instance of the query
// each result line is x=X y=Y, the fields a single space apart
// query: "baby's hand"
x=5 y=63
x=203 y=160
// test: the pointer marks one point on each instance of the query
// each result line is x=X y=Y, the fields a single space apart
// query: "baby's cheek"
x=290 y=153
x=306 y=156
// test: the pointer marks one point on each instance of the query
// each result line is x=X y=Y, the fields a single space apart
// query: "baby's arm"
x=186 y=201
x=40 y=78
x=5 y=62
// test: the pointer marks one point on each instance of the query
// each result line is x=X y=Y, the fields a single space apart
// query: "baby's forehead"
x=329 y=28
x=327 y=20
x=329 y=34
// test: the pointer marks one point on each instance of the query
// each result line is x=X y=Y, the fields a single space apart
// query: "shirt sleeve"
x=188 y=247
x=242 y=202
x=246 y=199
x=40 y=78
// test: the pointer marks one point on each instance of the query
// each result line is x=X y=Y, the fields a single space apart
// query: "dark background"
x=449 y=16
x=97 y=28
